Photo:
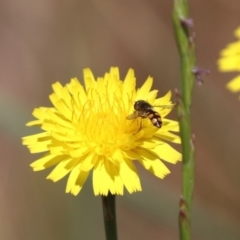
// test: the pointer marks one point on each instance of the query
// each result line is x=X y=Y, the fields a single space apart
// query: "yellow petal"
x=129 y=91
x=237 y=32
x=156 y=167
x=61 y=106
x=117 y=155
x=62 y=169
x=40 y=147
x=57 y=88
x=229 y=64
x=234 y=84
x=114 y=72
x=165 y=100
x=144 y=90
x=41 y=113
x=62 y=93
x=167 y=153
x=59 y=119
x=150 y=97
x=88 y=161
x=106 y=178
x=131 y=154
x=230 y=50
x=79 y=152
x=33 y=123
x=89 y=79
x=76 y=180
x=169 y=125
x=148 y=144
x=114 y=181
x=168 y=137
x=100 y=183
x=78 y=93
x=129 y=176
x=46 y=162
x=34 y=138
x=146 y=154
x=56 y=149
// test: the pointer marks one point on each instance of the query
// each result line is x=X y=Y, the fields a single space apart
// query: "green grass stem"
x=109 y=214
x=186 y=48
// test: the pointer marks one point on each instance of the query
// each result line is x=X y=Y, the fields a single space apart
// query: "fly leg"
x=140 y=126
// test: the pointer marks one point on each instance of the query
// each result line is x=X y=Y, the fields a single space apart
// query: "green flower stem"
x=186 y=48
x=109 y=214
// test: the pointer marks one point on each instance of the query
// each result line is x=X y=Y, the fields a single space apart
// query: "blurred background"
x=48 y=40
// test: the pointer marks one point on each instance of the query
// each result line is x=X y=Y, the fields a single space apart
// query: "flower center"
x=104 y=125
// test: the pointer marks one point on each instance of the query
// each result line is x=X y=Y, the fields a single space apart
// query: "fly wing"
x=133 y=115
x=165 y=106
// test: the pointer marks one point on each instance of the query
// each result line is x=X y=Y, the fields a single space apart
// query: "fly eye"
x=136 y=104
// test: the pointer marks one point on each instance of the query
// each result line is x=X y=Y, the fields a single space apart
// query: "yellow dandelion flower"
x=229 y=61
x=87 y=130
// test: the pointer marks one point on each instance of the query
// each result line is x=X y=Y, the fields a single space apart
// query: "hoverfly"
x=144 y=109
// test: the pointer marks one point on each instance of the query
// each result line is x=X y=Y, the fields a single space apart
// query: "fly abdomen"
x=155 y=118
